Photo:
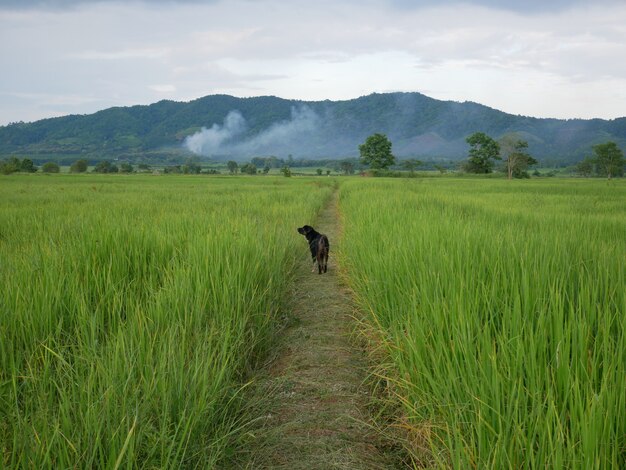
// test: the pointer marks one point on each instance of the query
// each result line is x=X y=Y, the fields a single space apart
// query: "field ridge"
x=314 y=400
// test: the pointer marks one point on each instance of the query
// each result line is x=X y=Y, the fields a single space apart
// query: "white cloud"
x=530 y=61
x=126 y=54
x=163 y=88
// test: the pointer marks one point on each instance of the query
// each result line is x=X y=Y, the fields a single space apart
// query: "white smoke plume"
x=209 y=141
x=282 y=137
x=303 y=122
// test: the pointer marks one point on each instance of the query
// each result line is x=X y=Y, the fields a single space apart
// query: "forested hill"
x=225 y=127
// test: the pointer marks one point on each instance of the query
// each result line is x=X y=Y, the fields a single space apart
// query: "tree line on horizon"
x=375 y=154
x=607 y=159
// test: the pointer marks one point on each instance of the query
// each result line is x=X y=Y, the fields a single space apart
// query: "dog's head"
x=305 y=230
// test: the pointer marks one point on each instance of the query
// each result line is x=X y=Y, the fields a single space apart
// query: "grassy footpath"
x=309 y=404
x=501 y=308
x=129 y=308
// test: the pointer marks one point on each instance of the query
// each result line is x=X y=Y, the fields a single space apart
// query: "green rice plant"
x=131 y=308
x=501 y=306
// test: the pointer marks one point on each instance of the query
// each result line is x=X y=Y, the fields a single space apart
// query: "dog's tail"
x=323 y=247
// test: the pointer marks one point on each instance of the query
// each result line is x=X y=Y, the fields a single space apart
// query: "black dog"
x=319 y=246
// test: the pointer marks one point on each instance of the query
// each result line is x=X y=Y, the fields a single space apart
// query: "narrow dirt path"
x=314 y=414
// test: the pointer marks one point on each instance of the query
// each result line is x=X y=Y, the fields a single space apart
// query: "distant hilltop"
x=224 y=127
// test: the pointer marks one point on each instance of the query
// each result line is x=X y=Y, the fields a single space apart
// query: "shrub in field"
x=411 y=164
x=14 y=164
x=248 y=168
x=131 y=312
x=585 y=167
x=79 y=166
x=10 y=165
x=27 y=166
x=233 y=167
x=126 y=167
x=191 y=168
x=501 y=308
x=50 y=167
x=347 y=167
x=105 y=166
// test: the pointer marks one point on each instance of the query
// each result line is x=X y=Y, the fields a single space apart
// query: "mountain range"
x=225 y=127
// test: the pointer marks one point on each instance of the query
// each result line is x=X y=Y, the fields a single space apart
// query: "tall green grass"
x=502 y=309
x=130 y=308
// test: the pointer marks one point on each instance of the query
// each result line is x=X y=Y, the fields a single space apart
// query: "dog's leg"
x=313 y=268
x=320 y=261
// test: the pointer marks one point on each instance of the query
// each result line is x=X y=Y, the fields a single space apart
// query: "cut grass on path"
x=314 y=413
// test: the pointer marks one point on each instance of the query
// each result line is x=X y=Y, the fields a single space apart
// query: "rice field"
x=500 y=307
x=131 y=308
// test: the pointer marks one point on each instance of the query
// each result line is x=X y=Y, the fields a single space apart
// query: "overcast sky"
x=544 y=58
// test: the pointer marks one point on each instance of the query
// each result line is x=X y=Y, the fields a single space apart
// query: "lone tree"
x=376 y=152
x=517 y=160
x=483 y=150
x=609 y=159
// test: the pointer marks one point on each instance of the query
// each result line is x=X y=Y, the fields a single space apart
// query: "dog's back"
x=323 y=247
